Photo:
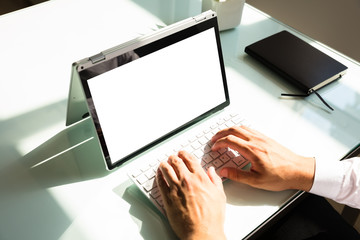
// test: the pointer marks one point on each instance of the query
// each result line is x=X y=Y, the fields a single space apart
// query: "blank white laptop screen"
x=150 y=95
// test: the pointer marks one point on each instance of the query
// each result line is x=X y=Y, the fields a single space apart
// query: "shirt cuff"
x=328 y=178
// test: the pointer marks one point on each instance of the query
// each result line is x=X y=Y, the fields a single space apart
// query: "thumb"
x=214 y=177
x=238 y=175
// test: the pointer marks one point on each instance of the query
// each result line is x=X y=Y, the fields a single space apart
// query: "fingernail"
x=158 y=172
x=213 y=147
x=159 y=168
x=224 y=172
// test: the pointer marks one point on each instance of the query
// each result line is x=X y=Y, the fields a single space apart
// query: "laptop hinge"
x=97 y=58
x=199 y=18
x=204 y=16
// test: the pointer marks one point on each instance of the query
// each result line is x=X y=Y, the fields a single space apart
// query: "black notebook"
x=298 y=62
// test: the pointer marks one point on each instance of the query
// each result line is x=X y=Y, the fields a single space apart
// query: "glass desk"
x=53 y=183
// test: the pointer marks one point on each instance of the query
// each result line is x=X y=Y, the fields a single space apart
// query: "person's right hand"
x=273 y=166
x=194 y=200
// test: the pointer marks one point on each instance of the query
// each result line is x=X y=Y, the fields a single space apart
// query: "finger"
x=246 y=149
x=252 y=131
x=164 y=189
x=178 y=165
x=214 y=177
x=238 y=131
x=239 y=175
x=168 y=173
x=230 y=141
x=161 y=182
x=191 y=162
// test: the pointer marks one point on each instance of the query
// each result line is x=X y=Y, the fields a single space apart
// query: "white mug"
x=229 y=12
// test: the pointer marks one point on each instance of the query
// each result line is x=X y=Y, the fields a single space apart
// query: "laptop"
x=144 y=91
x=151 y=93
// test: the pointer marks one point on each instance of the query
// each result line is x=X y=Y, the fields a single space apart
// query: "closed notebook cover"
x=297 y=61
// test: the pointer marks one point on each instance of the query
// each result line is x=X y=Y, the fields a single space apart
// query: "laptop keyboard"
x=200 y=146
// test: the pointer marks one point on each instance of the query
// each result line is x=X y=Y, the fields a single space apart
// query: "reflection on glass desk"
x=53 y=182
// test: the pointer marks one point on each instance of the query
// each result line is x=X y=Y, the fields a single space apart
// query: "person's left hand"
x=194 y=200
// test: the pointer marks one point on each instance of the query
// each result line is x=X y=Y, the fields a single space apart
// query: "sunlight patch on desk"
x=308 y=112
x=266 y=120
x=351 y=78
x=354 y=85
x=15 y=106
x=249 y=18
x=245 y=200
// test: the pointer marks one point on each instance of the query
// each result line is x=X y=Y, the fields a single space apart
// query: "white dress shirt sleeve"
x=338 y=180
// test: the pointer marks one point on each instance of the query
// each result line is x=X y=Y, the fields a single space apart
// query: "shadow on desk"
x=72 y=155
x=28 y=208
x=152 y=225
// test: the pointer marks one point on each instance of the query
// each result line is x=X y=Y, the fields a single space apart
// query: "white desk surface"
x=53 y=183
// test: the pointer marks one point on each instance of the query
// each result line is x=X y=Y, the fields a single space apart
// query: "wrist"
x=305 y=172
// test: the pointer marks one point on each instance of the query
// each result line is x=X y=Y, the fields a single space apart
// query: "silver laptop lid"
x=146 y=90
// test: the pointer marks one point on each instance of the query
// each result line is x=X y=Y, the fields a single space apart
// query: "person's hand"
x=194 y=200
x=273 y=167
